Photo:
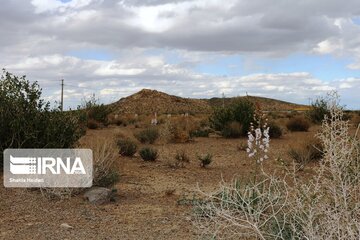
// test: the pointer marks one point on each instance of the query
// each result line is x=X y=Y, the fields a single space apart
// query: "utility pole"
x=62 y=94
x=223 y=100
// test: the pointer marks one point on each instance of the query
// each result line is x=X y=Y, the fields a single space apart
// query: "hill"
x=149 y=101
x=267 y=104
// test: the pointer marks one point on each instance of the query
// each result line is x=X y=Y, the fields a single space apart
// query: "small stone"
x=98 y=195
x=66 y=226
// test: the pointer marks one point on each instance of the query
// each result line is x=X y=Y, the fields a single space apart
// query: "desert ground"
x=154 y=200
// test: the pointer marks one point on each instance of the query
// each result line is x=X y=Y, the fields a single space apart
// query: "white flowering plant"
x=258 y=138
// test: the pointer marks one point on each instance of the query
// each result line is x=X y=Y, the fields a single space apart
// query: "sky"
x=292 y=50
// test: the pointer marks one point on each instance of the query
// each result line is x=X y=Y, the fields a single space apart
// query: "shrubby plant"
x=298 y=124
x=127 y=147
x=148 y=135
x=205 y=160
x=27 y=121
x=240 y=111
x=148 y=154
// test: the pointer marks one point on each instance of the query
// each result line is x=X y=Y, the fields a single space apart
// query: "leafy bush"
x=127 y=147
x=26 y=120
x=240 y=111
x=318 y=110
x=95 y=111
x=148 y=135
x=205 y=160
x=274 y=130
x=299 y=124
x=148 y=154
x=232 y=130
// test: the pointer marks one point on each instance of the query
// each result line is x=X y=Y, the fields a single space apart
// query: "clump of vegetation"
x=105 y=157
x=27 y=121
x=95 y=112
x=319 y=109
x=148 y=154
x=311 y=151
x=205 y=160
x=181 y=158
x=232 y=130
x=241 y=111
x=274 y=130
x=177 y=130
x=92 y=124
x=148 y=135
x=127 y=147
x=298 y=124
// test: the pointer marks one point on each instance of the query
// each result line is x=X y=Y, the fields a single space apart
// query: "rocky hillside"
x=149 y=101
x=266 y=104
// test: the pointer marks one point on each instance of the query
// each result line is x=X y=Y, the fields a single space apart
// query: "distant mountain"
x=149 y=101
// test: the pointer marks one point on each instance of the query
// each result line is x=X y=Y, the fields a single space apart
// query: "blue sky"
x=195 y=48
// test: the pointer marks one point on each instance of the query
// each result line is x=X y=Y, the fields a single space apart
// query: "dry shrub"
x=274 y=130
x=299 y=124
x=105 y=171
x=105 y=157
x=148 y=135
x=326 y=206
x=180 y=160
x=127 y=147
x=232 y=130
x=306 y=152
x=93 y=124
x=177 y=130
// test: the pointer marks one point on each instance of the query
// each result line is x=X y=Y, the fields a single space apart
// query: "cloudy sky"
x=291 y=50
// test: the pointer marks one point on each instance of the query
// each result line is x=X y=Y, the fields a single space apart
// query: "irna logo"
x=44 y=165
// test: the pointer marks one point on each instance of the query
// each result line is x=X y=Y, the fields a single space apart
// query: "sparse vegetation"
x=205 y=160
x=148 y=154
x=181 y=158
x=148 y=135
x=127 y=147
x=269 y=208
x=299 y=124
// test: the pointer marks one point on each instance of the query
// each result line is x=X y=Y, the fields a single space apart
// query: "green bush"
x=299 y=124
x=241 y=111
x=318 y=110
x=274 y=130
x=148 y=135
x=205 y=159
x=26 y=120
x=95 y=111
x=127 y=147
x=148 y=154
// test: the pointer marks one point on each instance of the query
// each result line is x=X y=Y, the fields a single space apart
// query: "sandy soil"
x=151 y=197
